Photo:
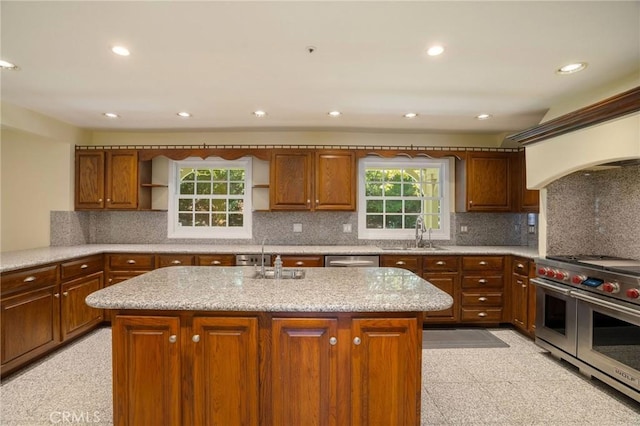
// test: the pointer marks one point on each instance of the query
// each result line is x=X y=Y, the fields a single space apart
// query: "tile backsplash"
x=318 y=228
x=595 y=212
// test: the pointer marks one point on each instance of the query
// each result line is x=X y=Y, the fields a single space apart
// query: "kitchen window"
x=210 y=199
x=392 y=193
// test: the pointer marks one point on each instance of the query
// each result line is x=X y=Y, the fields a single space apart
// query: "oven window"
x=616 y=339
x=555 y=314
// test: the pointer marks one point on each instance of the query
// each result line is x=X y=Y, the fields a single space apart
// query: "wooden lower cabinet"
x=268 y=369
x=76 y=316
x=523 y=295
x=308 y=261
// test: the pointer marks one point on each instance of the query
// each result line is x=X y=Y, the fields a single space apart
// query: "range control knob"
x=633 y=293
x=561 y=275
x=551 y=273
x=611 y=287
x=577 y=279
x=542 y=271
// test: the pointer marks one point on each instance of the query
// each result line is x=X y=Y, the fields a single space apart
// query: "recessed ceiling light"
x=120 y=50
x=483 y=116
x=259 y=113
x=335 y=113
x=571 y=68
x=111 y=115
x=5 y=65
x=435 y=50
x=184 y=114
x=410 y=115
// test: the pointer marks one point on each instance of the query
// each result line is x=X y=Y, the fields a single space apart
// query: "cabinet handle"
x=356 y=341
x=308 y=202
x=333 y=341
x=110 y=280
x=56 y=295
x=524 y=286
x=470 y=202
x=519 y=282
x=520 y=266
x=65 y=293
x=131 y=262
x=441 y=263
x=173 y=338
x=29 y=279
x=482 y=299
x=84 y=266
x=215 y=262
x=401 y=262
x=300 y=263
x=175 y=262
x=482 y=263
x=108 y=200
x=99 y=200
x=482 y=281
x=317 y=201
x=482 y=314
x=195 y=338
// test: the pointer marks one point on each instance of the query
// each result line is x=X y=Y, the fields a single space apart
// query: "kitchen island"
x=203 y=346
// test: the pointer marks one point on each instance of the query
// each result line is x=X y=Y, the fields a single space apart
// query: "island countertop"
x=202 y=288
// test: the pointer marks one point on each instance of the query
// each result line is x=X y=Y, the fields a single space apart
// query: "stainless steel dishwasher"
x=351 y=261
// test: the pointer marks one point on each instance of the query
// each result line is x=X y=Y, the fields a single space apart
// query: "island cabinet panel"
x=304 y=371
x=225 y=371
x=385 y=372
x=146 y=371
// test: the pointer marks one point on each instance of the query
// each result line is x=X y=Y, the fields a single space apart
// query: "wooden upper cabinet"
x=106 y=180
x=528 y=199
x=308 y=180
x=483 y=182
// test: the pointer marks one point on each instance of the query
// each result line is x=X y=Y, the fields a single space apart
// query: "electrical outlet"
x=464 y=229
x=297 y=227
x=346 y=227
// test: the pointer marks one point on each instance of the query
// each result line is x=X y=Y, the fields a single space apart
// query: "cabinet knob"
x=482 y=314
x=175 y=262
x=401 y=262
x=308 y=201
x=317 y=201
x=520 y=266
x=173 y=338
x=131 y=262
x=333 y=341
x=110 y=280
x=300 y=263
x=441 y=263
x=56 y=295
x=356 y=341
x=524 y=286
x=215 y=262
x=29 y=279
x=482 y=281
x=99 y=200
x=482 y=263
x=108 y=200
x=84 y=266
x=195 y=338
x=65 y=293
x=482 y=299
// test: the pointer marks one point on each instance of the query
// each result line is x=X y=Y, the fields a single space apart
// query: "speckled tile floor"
x=518 y=385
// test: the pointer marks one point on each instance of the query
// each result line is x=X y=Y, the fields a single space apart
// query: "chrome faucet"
x=420 y=230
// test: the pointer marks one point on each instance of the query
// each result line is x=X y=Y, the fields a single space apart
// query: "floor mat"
x=452 y=338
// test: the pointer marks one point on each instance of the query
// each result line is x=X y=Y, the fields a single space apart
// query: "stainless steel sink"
x=434 y=248
x=287 y=274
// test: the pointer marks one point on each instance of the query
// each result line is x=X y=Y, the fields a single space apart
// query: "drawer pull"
x=173 y=338
x=84 y=266
x=175 y=262
x=65 y=293
x=482 y=263
x=401 y=262
x=520 y=266
x=300 y=263
x=482 y=299
x=29 y=279
x=441 y=263
x=56 y=295
x=482 y=281
x=131 y=262
x=215 y=262
x=482 y=314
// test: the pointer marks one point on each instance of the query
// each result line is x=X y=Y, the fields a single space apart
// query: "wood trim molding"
x=608 y=109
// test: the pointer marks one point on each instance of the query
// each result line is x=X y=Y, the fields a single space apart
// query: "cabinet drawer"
x=131 y=261
x=481 y=299
x=80 y=267
x=217 y=260
x=175 y=260
x=301 y=261
x=479 y=314
x=29 y=278
x=480 y=281
x=482 y=263
x=440 y=263
x=411 y=263
x=520 y=266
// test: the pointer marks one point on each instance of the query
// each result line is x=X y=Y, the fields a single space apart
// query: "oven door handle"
x=606 y=304
x=545 y=284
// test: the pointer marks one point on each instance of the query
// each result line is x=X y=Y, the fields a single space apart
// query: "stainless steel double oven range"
x=588 y=313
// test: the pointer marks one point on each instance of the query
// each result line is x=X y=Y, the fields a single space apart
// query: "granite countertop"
x=202 y=288
x=13 y=260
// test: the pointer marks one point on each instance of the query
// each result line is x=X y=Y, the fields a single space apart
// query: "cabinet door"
x=290 y=182
x=122 y=180
x=529 y=199
x=385 y=372
x=89 y=191
x=77 y=316
x=216 y=260
x=225 y=371
x=30 y=323
x=304 y=371
x=335 y=181
x=488 y=182
x=146 y=371
x=165 y=260
x=302 y=261
x=531 y=308
x=412 y=263
x=449 y=284
x=519 y=288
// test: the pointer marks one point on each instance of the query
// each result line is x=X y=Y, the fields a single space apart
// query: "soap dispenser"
x=277 y=267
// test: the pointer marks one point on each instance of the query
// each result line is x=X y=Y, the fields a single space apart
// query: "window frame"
x=443 y=164
x=174 y=230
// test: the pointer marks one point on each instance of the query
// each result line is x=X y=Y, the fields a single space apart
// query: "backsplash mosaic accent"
x=595 y=212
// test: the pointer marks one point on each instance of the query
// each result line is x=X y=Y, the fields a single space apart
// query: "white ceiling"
x=223 y=60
